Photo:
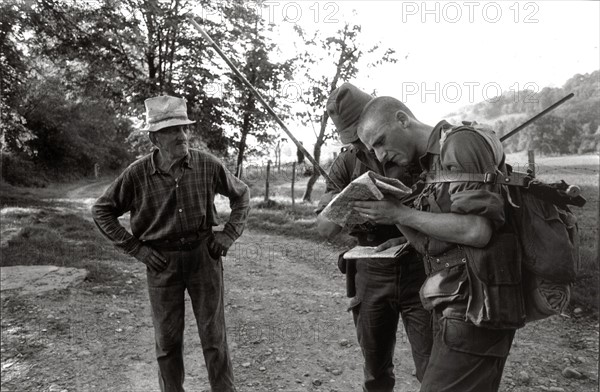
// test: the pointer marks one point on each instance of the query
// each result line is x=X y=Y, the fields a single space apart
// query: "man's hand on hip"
x=219 y=245
x=154 y=260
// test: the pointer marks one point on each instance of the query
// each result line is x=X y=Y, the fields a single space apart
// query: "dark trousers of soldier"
x=202 y=277
x=465 y=358
x=387 y=289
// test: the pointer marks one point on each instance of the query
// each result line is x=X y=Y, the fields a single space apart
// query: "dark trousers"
x=202 y=277
x=465 y=358
x=385 y=290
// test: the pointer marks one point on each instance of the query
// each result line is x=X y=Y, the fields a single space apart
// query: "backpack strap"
x=491 y=177
x=501 y=175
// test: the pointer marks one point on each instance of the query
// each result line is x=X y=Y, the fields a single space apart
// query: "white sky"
x=491 y=47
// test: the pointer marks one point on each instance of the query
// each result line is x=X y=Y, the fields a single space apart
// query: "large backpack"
x=546 y=229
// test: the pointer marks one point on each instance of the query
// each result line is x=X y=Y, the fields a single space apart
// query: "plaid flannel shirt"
x=162 y=207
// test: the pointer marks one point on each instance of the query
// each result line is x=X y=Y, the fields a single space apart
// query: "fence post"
x=531 y=161
x=293 y=181
x=239 y=170
x=278 y=156
x=267 y=181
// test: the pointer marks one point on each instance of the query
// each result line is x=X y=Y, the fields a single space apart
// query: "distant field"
x=520 y=159
x=582 y=170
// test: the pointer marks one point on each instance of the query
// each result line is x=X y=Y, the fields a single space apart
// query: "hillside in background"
x=573 y=127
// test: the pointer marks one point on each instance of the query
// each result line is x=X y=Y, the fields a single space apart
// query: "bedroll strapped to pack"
x=546 y=230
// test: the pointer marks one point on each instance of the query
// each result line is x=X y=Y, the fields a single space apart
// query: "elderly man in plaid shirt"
x=169 y=194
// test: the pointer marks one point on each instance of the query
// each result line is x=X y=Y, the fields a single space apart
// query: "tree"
x=13 y=72
x=247 y=117
x=134 y=49
x=341 y=53
x=50 y=117
x=113 y=54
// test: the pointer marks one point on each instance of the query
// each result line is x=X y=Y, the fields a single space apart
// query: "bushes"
x=19 y=171
x=66 y=136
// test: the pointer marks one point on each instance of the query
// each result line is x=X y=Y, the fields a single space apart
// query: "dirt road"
x=288 y=330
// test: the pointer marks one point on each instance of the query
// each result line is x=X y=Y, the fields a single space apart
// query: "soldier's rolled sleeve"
x=239 y=201
x=468 y=151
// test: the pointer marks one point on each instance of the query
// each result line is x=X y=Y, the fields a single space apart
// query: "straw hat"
x=165 y=111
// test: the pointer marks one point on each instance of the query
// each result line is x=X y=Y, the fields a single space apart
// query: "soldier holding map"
x=386 y=288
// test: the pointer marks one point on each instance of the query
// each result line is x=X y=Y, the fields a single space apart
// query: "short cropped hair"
x=384 y=108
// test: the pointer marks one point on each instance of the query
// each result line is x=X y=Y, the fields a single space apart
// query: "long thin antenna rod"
x=540 y=114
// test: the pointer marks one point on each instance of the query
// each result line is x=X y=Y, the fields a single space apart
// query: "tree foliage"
x=341 y=54
x=13 y=71
x=248 y=117
x=75 y=76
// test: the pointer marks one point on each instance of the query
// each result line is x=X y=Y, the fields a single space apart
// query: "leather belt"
x=185 y=242
x=433 y=264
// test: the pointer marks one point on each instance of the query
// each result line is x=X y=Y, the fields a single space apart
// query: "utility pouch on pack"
x=549 y=242
x=548 y=234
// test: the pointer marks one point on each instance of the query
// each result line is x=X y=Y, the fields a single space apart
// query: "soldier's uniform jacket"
x=487 y=279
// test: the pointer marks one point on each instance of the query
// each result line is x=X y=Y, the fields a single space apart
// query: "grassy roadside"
x=52 y=339
x=39 y=229
x=277 y=216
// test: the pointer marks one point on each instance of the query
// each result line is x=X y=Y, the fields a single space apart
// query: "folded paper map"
x=369 y=186
x=368 y=252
